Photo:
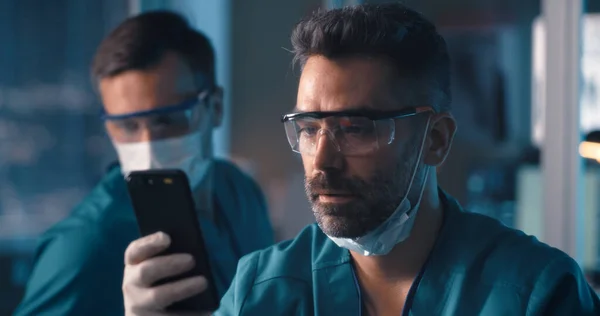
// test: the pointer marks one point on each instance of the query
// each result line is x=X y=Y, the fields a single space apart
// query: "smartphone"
x=162 y=201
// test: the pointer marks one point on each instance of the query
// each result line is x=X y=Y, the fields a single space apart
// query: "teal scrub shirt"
x=477 y=267
x=78 y=265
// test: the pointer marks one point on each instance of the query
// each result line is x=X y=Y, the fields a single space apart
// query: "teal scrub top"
x=78 y=265
x=477 y=267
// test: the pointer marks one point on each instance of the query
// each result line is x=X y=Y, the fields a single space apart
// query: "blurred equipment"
x=530 y=210
x=491 y=192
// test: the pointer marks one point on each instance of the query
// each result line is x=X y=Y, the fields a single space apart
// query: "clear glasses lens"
x=351 y=135
x=159 y=125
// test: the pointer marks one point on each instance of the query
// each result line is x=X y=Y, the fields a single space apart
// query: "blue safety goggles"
x=161 y=122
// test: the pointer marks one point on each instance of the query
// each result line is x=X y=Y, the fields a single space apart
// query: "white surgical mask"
x=184 y=153
x=396 y=228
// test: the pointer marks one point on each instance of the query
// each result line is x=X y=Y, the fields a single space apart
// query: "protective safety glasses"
x=353 y=133
x=163 y=122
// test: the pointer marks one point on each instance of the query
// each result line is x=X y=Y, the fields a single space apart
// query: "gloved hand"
x=143 y=268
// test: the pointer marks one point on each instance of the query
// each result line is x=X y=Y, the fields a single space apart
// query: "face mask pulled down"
x=381 y=240
x=184 y=153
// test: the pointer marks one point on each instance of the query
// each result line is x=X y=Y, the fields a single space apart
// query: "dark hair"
x=391 y=31
x=140 y=42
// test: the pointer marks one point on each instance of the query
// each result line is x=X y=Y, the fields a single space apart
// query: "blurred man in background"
x=156 y=77
x=372 y=122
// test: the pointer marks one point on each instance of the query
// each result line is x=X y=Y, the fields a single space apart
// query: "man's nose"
x=328 y=153
x=146 y=133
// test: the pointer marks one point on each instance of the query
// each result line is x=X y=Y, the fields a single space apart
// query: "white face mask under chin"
x=184 y=153
x=386 y=236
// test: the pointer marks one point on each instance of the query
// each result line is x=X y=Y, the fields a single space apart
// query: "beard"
x=374 y=200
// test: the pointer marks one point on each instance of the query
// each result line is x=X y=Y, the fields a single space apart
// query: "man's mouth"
x=336 y=198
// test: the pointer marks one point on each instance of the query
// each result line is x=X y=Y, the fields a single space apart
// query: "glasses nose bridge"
x=328 y=133
x=145 y=130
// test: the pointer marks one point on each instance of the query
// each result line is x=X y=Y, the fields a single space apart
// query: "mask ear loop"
x=203 y=192
x=418 y=160
x=207 y=108
x=420 y=155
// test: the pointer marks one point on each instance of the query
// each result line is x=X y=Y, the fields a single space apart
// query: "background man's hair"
x=391 y=31
x=140 y=43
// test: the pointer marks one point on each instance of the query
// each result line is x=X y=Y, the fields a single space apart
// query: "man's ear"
x=216 y=102
x=439 y=140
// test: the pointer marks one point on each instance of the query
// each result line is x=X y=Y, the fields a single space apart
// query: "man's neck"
x=385 y=281
x=407 y=258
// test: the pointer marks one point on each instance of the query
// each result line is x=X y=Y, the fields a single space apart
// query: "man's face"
x=353 y=194
x=169 y=83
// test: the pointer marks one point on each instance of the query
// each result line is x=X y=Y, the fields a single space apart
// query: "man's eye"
x=308 y=131
x=128 y=125
x=163 y=121
x=353 y=130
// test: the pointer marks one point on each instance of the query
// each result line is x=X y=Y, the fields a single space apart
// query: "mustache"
x=331 y=182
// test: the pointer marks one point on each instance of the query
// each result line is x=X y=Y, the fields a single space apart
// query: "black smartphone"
x=162 y=201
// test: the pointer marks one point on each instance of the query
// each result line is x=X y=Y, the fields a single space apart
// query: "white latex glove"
x=143 y=268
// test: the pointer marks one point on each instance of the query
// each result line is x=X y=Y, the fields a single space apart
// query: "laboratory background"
x=526 y=96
